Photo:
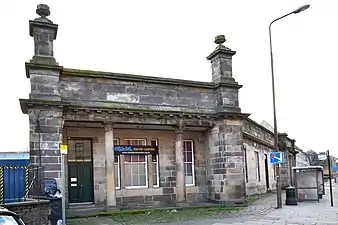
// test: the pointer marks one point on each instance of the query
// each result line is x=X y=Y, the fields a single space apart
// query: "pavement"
x=263 y=212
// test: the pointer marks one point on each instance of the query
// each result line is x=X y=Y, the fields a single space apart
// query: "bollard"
x=291 y=198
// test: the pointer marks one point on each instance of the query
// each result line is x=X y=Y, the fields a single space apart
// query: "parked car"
x=8 y=217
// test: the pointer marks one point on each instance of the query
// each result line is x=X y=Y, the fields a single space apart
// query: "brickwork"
x=45 y=138
x=32 y=212
x=226 y=184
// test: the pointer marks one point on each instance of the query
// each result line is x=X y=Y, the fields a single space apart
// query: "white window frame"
x=258 y=169
x=192 y=162
x=157 y=166
x=118 y=167
x=146 y=164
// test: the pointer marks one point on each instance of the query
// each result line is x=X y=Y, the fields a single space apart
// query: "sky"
x=172 y=39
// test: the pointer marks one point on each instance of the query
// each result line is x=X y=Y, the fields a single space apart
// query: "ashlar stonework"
x=204 y=139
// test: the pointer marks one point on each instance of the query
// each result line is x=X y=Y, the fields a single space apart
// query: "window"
x=258 y=175
x=246 y=166
x=135 y=166
x=189 y=171
x=117 y=167
x=155 y=169
x=135 y=171
x=135 y=142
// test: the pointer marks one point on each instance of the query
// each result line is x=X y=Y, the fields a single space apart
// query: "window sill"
x=136 y=187
x=190 y=185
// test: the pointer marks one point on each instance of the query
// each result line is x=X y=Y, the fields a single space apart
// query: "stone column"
x=180 y=177
x=110 y=169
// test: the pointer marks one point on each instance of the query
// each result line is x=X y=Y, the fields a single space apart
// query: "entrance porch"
x=99 y=177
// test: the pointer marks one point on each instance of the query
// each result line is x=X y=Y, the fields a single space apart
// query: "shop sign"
x=135 y=149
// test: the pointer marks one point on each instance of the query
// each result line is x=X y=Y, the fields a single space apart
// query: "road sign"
x=335 y=168
x=276 y=157
x=322 y=157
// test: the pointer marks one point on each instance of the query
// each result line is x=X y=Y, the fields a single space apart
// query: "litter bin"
x=291 y=198
x=56 y=210
x=54 y=196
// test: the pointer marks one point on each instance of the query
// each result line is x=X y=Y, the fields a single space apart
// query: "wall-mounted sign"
x=64 y=149
x=133 y=149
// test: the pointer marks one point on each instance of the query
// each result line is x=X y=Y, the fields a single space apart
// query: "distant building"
x=302 y=159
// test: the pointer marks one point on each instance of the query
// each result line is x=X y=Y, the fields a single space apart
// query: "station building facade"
x=139 y=141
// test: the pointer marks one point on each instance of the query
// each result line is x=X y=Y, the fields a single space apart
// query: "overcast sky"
x=172 y=39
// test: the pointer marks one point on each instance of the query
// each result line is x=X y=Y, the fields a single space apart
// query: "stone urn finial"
x=220 y=39
x=43 y=10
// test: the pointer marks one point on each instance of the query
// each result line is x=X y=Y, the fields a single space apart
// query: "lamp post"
x=279 y=189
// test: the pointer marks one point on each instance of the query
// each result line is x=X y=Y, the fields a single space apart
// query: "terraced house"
x=138 y=141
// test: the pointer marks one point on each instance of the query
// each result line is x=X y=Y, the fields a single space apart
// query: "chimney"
x=221 y=62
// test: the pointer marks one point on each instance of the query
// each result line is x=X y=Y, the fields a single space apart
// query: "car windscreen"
x=8 y=220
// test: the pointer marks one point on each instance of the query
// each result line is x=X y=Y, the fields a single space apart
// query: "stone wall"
x=258 y=140
x=287 y=145
x=32 y=212
x=131 y=91
x=46 y=136
x=225 y=167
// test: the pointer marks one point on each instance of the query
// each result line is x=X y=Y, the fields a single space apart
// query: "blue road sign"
x=276 y=157
x=335 y=168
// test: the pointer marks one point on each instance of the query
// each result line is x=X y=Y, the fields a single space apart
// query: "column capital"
x=108 y=126
x=179 y=127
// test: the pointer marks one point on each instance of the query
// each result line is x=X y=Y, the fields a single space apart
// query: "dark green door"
x=80 y=171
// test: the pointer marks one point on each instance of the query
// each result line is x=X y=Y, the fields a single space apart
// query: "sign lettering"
x=130 y=149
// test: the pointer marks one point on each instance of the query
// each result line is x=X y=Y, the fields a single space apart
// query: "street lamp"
x=279 y=189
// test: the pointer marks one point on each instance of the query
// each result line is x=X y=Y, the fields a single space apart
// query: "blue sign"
x=132 y=149
x=335 y=168
x=276 y=157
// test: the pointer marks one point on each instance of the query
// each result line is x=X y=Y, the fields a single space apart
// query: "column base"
x=182 y=204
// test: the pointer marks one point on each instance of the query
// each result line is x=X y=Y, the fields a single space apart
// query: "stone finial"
x=43 y=11
x=220 y=39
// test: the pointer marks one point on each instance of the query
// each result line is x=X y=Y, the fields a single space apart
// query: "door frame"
x=266 y=165
x=92 y=165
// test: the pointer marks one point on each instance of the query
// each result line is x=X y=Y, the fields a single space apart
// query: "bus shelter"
x=309 y=183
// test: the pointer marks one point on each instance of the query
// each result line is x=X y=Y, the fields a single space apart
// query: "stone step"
x=86 y=209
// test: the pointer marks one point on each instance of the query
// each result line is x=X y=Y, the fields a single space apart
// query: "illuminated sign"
x=135 y=149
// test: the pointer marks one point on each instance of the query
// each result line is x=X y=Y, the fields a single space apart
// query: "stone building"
x=138 y=141
x=302 y=159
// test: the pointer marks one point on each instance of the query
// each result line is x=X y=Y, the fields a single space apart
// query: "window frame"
x=246 y=165
x=118 y=166
x=192 y=163
x=157 y=166
x=146 y=164
x=258 y=172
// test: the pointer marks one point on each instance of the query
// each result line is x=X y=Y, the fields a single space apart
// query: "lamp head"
x=301 y=9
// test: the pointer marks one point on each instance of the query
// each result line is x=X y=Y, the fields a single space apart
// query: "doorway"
x=80 y=171
x=266 y=162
